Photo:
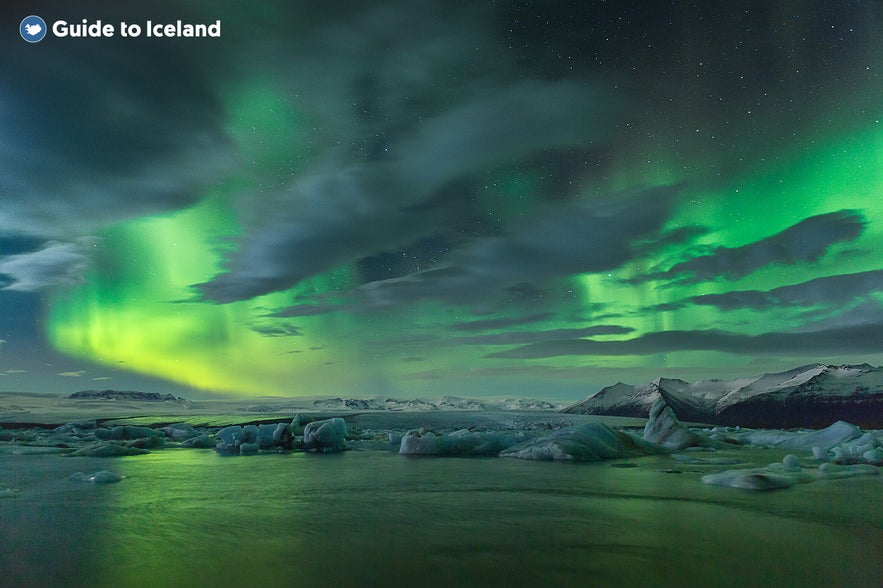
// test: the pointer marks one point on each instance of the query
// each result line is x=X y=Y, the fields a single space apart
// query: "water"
x=373 y=518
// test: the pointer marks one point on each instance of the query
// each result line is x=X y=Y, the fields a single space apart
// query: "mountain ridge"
x=812 y=395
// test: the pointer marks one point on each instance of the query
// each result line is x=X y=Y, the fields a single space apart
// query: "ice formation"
x=105 y=449
x=461 y=443
x=101 y=477
x=592 y=441
x=325 y=436
x=786 y=473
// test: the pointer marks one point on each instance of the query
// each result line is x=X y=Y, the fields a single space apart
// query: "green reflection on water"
x=188 y=517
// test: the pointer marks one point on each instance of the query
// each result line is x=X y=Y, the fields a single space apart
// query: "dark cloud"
x=501 y=323
x=518 y=337
x=860 y=339
x=858 y=313
x=565 y=240
x=829 y=290
x=805 y=241
x=99 y=132
x=277 y=330
x=344 y=208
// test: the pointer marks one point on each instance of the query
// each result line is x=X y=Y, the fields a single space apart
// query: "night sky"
x=429 y=198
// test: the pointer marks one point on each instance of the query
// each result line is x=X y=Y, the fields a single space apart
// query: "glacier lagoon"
x=185 y=517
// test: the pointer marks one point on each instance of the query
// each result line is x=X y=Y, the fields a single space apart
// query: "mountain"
x=124 y=395
x=808 y=396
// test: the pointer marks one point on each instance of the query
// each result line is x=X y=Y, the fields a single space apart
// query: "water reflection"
x=190 y=517
x=373 y=518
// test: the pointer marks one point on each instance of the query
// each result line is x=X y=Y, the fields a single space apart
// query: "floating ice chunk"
x=830 y=471
x=76 y=427
x=592 y=441
x=249 y=448
x=282 y=434
x=180 y=431
x=423 y=443
x=298 y=423
x=265 y=434
x=201 y=442
x=791 y=462
x=874 y=456
x=7 y=492
x=230 y=435
x=460 y=443
x=102 y=477
x=755 y=479
x=104 y=449
x=839 y=432
x=250 y=434
x=664 y=429
x=325 y=436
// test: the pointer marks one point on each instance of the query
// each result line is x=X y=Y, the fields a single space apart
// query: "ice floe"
x=325 y=436
x=786 y=473
x=592 y=441
x=462 y=443
x=100 y=477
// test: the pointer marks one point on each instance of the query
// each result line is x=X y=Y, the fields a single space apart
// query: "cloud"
x=858 y=339
x=856 y=314
x=277 y=330
x=564 y=240
x=515 y=337
x=76 y=374
x=102 y=135
x=55 y=264
x=101 y=379
x=830 y=290
x=344 y=208
x=805 y=241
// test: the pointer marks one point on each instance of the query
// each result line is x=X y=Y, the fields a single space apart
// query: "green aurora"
x=752 y=196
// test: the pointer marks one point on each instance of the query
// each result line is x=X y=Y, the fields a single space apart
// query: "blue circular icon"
x=32 y=29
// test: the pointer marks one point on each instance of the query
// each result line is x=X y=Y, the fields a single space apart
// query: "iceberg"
x=180 y=432
x=462 y=443
x=325 y=436
x=786 y=473
x=592 y=441
x=664 y=429
x=105 y=449
x=101 y=477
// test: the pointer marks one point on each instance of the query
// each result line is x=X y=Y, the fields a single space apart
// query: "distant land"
x=128 y=395
x=812 y=396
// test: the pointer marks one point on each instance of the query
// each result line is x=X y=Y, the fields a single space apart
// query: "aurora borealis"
x=429 y=198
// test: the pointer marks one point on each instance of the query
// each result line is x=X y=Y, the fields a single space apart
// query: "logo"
x=32 y=29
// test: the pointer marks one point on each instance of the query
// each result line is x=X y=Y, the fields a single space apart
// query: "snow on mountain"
x=812 y=395
x=445 y=403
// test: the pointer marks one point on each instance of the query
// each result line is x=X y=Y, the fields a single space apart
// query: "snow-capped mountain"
x=811 y=396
